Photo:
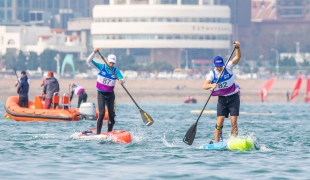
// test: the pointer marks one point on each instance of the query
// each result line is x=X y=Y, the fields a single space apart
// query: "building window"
x=120 y=2
x=35 y=4
x=1 y=3
x=162 y=37
x=2 y=16
x=143 y=37
x=11 y=42
x=9 y=3
x=42 y=4
x=205 y=2
x=167 y=19
x=82 y=4
x=168 y=2
x=26 y=16
x=73 y=4
x=50 y=4
x=9 y=16
x=190 y=2
x=56 y=4
x=26 y=3
x=20 y=15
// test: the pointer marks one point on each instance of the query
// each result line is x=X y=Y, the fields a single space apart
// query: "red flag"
x=296 y=88
x=307 y=96
x=263 y=92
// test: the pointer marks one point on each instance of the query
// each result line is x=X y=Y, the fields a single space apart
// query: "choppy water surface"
x=44 y=150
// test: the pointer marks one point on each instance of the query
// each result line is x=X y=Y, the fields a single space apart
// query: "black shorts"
x=228 y=105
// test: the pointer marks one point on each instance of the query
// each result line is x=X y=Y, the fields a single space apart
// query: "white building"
x=156 y=31
x=37 y=39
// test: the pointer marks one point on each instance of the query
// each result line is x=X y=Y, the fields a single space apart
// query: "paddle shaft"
x=216 y=83
x=15 y=73
x=118 y=79
x=70 y=95
x=17 y=79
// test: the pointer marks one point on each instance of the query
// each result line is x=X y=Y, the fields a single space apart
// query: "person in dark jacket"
x=51 y=86
x=22 y=90
x=18 y=80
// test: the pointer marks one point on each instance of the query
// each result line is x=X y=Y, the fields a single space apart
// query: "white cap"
x=112 y=58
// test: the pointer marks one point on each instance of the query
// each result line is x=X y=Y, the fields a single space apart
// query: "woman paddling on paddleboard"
x=227 y=92
x=105 y=86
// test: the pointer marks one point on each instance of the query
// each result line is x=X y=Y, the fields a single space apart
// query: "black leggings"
x=23 y=102
x=104 y=97
x=82 y=97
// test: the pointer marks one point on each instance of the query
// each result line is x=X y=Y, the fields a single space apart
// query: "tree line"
x=46 y=61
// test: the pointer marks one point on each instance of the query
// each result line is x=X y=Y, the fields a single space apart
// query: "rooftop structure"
x=37 y=39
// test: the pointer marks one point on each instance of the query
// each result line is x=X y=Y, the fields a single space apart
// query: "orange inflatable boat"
x=63 y=112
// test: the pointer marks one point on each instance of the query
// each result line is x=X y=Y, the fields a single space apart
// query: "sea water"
x=44 y=150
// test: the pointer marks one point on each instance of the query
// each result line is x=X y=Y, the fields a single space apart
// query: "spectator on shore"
x=288 y=96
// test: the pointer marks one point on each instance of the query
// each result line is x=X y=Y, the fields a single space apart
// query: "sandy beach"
x=163 y=90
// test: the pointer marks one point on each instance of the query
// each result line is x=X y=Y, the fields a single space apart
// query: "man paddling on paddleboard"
x=227 y=92
x=105 y=86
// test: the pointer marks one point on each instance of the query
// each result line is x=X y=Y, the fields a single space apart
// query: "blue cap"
x=218 y=61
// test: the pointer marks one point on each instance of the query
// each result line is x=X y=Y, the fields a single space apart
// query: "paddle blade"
x=190 y=134
x=146 y=118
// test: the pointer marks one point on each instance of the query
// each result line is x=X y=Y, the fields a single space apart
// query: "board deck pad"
x=233 y=143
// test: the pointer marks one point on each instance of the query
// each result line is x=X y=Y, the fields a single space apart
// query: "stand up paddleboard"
x=117 y=136
x=232 y=144
x=243 y=113
x=215 y=146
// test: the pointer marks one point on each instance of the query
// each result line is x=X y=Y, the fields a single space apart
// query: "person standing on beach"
x=105 y=88
x=22 y=90
x=288 y=96
x=51 y=86
x=227 y=92
x=80 y=91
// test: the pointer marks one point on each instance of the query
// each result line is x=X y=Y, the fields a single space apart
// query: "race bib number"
x=222 y=85
x=106 y=81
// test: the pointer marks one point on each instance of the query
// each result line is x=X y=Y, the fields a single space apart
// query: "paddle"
x=16 y=77
x=146 y=118
x=15 y=73
x=191 y=132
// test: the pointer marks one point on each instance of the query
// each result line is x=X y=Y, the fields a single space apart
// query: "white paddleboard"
x=117 y=136
x=197 y=112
